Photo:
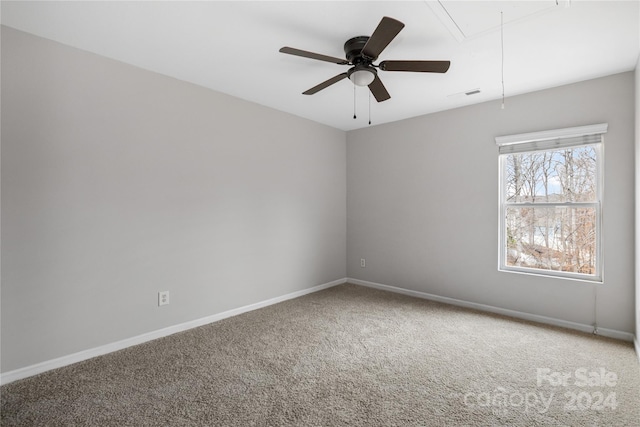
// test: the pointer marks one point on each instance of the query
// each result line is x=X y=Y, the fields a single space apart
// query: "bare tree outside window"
x=551 y=209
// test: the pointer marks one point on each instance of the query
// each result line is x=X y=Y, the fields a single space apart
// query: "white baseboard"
x=28 y=371
x=636 y=344
x=611 y=333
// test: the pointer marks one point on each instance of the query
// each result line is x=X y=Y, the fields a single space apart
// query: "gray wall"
x=422 y=203
x=118 y=183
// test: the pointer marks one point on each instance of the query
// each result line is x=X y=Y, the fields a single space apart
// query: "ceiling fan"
x=360 y=53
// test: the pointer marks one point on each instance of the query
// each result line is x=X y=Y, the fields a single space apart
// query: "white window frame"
x=591 y=135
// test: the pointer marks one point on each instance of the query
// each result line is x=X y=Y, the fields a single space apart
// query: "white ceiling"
x=232 y=47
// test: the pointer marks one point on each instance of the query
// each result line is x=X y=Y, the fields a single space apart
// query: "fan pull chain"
x=369 y=108
x=354 y=102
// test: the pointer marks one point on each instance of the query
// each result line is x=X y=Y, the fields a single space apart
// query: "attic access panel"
x=468 y=19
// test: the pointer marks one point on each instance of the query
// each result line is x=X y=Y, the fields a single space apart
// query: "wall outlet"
x=363 y=263
x=163 y=298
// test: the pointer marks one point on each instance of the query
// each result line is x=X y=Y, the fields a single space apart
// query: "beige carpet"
x=346 y=356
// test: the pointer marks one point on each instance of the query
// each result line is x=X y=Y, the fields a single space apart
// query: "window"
x=551 y=202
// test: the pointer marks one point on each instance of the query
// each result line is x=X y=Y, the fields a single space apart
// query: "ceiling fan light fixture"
x=362 y=77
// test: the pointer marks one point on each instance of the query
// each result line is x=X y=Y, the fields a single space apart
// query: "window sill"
x=598 y=280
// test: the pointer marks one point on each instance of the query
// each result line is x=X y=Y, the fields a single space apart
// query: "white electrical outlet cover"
x=163 y=298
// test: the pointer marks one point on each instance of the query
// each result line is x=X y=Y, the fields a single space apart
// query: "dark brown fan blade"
x=416 y=66
x=325 y=84
x=387 y=30
x=319 y=57
x=378 y=90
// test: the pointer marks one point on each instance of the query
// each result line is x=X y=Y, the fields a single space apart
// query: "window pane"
x=555 y=176
x=552 y=238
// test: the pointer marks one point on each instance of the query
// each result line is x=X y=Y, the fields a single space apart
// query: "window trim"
x=591 y=135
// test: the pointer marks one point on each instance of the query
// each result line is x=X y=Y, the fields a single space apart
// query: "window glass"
x=551 y=202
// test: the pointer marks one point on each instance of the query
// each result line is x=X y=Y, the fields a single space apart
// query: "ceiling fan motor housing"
x=353 y=50
x=362 y=73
